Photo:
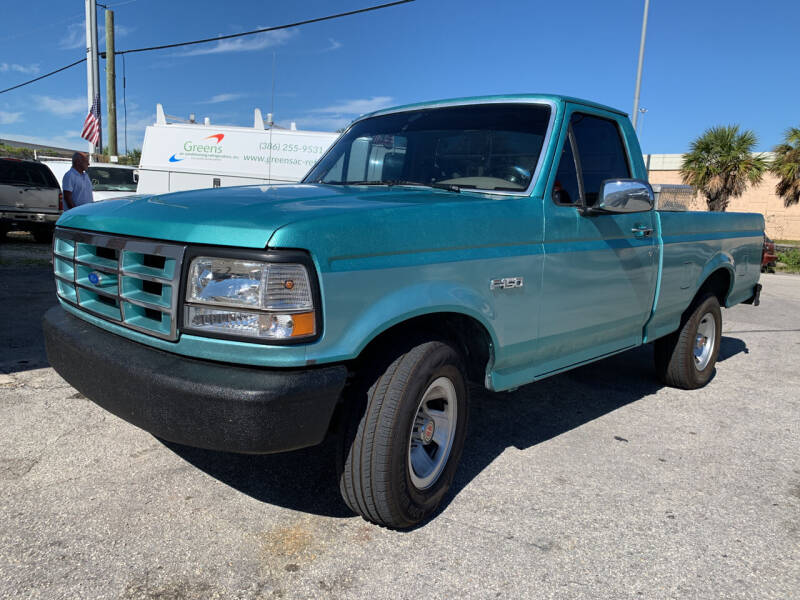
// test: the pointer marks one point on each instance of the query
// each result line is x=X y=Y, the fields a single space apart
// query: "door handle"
x=642 y=231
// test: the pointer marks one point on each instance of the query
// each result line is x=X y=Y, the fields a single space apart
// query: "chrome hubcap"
x=432 y=433
x=704 y=341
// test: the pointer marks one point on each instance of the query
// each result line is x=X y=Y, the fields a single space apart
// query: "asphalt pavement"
x=599 y=483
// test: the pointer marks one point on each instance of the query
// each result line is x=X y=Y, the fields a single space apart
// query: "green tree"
x=720 y=164
x=786 y=167
x=134 y=156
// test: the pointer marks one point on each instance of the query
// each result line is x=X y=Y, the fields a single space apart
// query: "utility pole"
x=639 y=69
x=111 y=84
x=639 y=125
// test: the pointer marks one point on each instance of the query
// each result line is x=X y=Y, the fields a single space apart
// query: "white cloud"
x=356 y=107
x=322 y=123
x=62 y=106
x=31 y=69
x=219 y=98
x=136 y=124
x=75 y=35
x=337 y=116
x=334 y=45
x=259 y=41
x=59 y=141
x=6 y=118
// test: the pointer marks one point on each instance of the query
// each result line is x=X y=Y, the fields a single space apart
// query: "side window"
x=601 y=152
x=335 y=172
x=566 y=189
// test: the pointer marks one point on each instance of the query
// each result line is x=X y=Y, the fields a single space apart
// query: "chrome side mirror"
x=624 y=196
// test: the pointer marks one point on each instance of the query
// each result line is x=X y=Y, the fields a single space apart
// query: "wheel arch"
x=471 y=337
x=717 y=278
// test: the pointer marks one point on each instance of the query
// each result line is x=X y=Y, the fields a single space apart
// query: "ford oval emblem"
x=94 y=278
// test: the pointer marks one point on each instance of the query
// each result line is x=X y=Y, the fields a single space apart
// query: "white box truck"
x=188 y=156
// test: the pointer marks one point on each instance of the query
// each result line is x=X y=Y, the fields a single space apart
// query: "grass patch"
x=789 y=261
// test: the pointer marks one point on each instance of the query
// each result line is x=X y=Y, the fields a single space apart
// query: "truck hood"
x=246 y=216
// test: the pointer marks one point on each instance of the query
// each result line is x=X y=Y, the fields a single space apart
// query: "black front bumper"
x=194 y=402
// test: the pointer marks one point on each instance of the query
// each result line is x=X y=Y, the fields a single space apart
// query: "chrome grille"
x=129 y=281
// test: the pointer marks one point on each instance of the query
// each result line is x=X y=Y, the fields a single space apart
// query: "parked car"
x=769 y=257
x=30 y=198
x=496 y=241
x=109 y=180
x=112 y=181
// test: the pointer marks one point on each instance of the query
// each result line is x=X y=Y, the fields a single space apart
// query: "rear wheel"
x=404 y=437
x=43 y=235
x=686 y=358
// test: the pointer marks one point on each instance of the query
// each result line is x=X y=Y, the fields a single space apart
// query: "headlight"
x=249 y=298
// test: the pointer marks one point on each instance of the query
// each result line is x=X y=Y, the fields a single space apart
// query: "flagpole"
x=96 y=74
x=90 y=44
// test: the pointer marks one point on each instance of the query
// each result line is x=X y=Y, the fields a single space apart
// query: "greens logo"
x=209 y=148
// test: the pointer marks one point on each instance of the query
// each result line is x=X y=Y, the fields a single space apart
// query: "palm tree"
x=786 y=167
x=721 y=163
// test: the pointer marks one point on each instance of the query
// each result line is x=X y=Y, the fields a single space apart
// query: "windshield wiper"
x=450 y=187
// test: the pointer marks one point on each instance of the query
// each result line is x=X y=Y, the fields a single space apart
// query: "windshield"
x=484 y=146
x=112 y=179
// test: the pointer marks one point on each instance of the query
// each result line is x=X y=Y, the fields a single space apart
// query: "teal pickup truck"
x=493 y=240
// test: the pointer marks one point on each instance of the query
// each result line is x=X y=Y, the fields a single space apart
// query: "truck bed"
x=693 y=245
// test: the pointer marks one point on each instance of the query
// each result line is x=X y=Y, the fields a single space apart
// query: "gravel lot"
x=599 y=483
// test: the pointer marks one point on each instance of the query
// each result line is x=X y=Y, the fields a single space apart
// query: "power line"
x=221 y=37
x=265 y=29
x=77 y=62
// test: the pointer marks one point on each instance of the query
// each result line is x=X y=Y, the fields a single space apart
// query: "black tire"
x=375 y=472
x=675 y=360
x=43 y=235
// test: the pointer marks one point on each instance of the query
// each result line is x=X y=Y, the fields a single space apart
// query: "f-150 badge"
x=506 y=283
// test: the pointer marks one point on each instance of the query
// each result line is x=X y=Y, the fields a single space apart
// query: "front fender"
x=418 y=299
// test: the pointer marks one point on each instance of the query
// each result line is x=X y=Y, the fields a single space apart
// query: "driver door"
x=599 y=270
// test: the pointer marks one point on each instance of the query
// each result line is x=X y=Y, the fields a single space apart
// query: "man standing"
x=76 y=185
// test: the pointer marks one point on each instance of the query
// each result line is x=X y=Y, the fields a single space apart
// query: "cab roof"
x=555 y=98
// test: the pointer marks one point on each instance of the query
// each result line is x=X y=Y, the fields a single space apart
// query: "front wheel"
x=404 y=437
x=686 y=358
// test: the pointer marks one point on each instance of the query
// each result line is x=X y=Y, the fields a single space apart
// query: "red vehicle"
x=768 y=256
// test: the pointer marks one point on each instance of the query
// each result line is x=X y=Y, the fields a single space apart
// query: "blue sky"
x=706 y=63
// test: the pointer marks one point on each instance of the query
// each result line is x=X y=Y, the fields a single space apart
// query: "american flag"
x=91 y=126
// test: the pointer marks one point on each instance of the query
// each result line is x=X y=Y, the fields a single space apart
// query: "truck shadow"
x=27 y=291
x=541 y=411
x=305 y=480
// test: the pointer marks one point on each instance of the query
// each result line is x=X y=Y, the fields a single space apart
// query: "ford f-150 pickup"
x=493 y=240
